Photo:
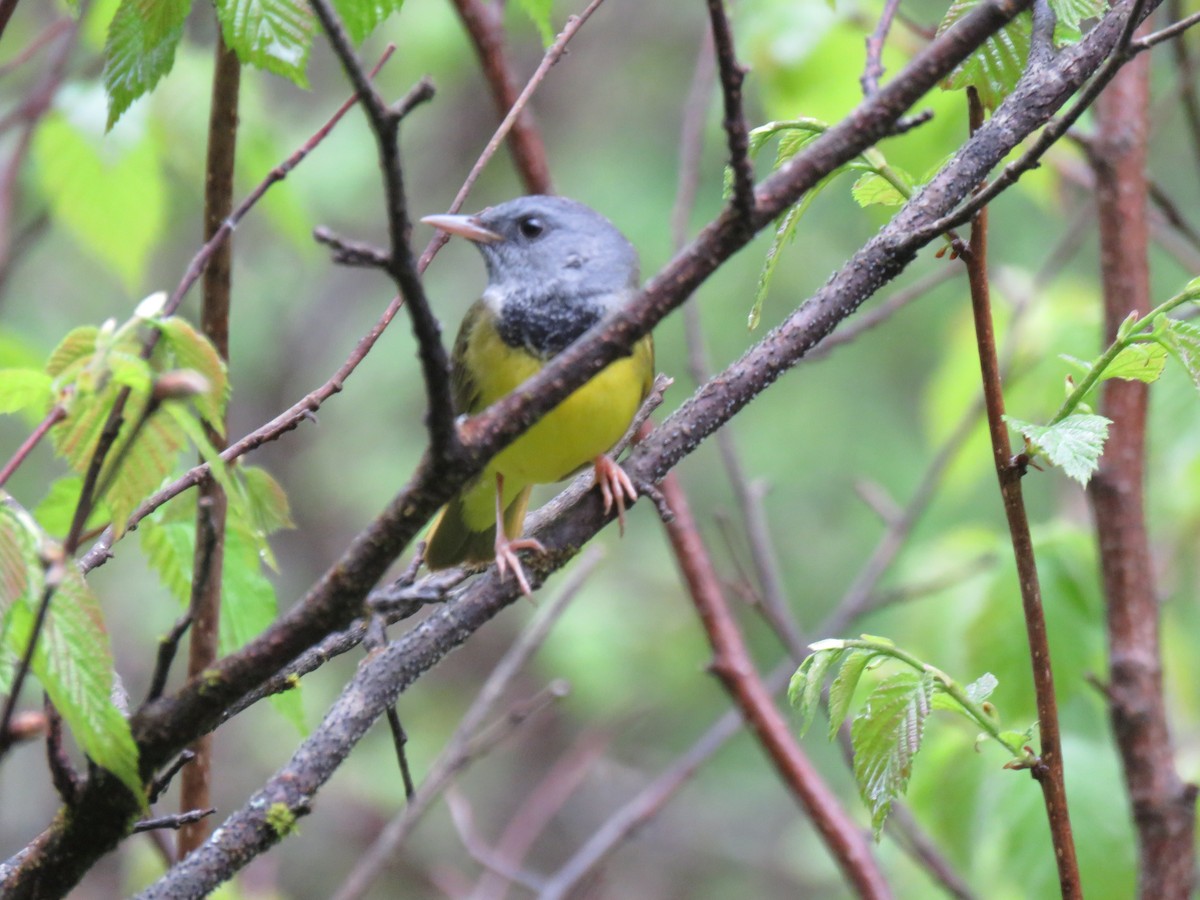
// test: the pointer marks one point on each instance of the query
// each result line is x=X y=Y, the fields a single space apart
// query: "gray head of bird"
x=542 y=246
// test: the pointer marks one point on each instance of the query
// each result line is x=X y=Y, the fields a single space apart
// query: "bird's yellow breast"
x=584 y=425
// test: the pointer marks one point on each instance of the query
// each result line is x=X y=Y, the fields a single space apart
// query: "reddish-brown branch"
x=1049 y=771
x=1164 y=808
x=56 y=415
x=733 y=666
x=485 y=25
x=209 y=556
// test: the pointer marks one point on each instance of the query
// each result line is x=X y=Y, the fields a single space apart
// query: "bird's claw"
x=507 y=559
x=615 y=488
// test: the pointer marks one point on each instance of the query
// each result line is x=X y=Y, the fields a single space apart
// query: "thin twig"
x=56 y=415
x=873 y=70
x=732 y=75
x=178 y=821
x=1049 y=770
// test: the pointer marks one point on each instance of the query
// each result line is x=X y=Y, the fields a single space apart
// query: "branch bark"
x=1164 y=808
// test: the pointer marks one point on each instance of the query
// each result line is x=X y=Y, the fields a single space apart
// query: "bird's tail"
x=452 y=540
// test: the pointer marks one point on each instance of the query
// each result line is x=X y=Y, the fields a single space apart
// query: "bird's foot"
x=507 y=559
x=615 y=488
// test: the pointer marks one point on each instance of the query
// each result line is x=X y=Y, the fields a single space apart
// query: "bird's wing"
x=467 y=396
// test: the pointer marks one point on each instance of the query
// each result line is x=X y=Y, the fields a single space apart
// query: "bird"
x=555 y=268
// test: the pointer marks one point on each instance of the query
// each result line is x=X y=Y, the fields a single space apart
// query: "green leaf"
x=248 y=607
x=57 y=509
x=189 y=349
x=169 y=547
x=274 y=35
x=1071 y=13
x=1074 y=444
x=1182 y=340
x=539 y=13
x=21 y=580
x=144 y=464
x=982 y=687
x=72 y=659
x=872 y=188
x=22 y=389
x=784 y=233
x=73 y=350
x=841 y=691
x=361 y=17
x=886 y=736
x=996 y=66
x=1137 y=362
x=268 y=500
x=141 y=46
x=111 y=199
x=804 y=691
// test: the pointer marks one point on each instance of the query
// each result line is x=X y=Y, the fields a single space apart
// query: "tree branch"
x=1164 y=808
x=733 y=666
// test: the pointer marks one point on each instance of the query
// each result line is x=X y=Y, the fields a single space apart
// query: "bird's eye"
x=531 y=227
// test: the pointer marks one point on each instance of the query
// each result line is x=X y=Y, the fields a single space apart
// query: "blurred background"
x=829 y=446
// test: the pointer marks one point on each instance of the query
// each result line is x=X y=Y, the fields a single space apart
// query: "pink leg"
x=615 y=487
x=506 y=550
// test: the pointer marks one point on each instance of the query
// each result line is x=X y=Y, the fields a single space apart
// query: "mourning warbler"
x=555 y=268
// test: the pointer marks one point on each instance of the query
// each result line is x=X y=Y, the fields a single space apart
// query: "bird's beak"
x=468 y=227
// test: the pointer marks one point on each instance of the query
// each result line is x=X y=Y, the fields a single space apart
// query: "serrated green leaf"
x=169 y=548
x=1074 y=444
x=872 y=188
x=21 y=580
x=25 y=389
x=841 y=691
x=146 y=464
x=1182 y=341
x=804 y=691
x=361 y=17
x=274 y=35
x=186 y=348
x=996 y=66
x=140 y=50
x=538 y=12
x=886 y=736
x=113 y=203
x=268 y=500
x=74 y=349
x=73 y=663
